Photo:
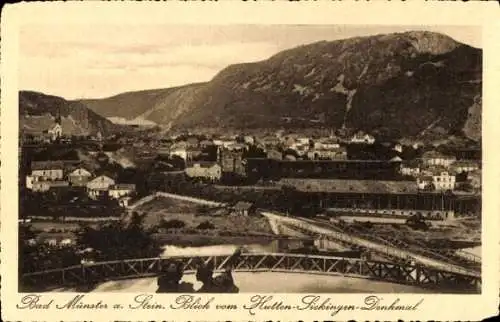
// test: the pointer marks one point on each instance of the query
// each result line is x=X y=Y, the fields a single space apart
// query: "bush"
x=205 y=225
x=172 y=224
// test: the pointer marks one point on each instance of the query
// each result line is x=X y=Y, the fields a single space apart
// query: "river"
x=275 y=246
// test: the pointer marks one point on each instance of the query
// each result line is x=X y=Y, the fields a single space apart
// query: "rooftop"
x=47 y=165
x=347 y=186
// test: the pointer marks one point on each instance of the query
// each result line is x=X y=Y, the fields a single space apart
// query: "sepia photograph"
x=250 y=158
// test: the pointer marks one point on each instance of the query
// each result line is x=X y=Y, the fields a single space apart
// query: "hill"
x=408 y=84
x=38 y=112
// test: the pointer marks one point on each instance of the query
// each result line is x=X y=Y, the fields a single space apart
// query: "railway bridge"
x=374 y=244
x=409 y=274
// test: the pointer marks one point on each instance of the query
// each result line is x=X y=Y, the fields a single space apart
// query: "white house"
x=464 y=166
x=398 y=148
x=204 y=170
x=248 y=139
x=443 y=181
x=121 y=190
x=327 y=144
x=363 y=138
x=99 y=186
x=410 y=169
x=180 y=152
x=47 y=170
x=433 y=158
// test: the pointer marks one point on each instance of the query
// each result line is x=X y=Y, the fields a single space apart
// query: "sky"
x=96 y=61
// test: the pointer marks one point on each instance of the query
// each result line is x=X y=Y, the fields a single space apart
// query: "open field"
x=169 y=209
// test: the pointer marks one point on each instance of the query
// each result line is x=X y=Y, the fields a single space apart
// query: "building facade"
x=204 y=170
x=99 y=186
x=79 y=177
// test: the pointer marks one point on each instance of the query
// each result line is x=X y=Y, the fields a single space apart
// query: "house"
x=443 y=180
x=193 y=153
x=425 y=182
x=224 y=142
x=327 y=144
x=99 y=186
x=433 y=158
x=236 y=147
x=67 y=242
x=410 y=168
x=121 y=190
x=192 y=142
x=303 y=140
x=339 y=153
x=180 y=152
x=269 y=141
x=58 y=184
x=232 y=161
x=79 y=177
x=362 y=138
x=206 y=143
x=274 y=154
x=124 y=201
x=55 y=131
x=204 y=170
x=244 y=208
x=39 y=186
x=461 y=166
x=248 y=139
x=47 y=170
x=398 y=148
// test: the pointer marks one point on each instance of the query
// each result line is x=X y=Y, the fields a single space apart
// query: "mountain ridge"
x=401 y=85
x=38 y=112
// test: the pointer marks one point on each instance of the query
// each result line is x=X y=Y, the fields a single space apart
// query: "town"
x=199 y=189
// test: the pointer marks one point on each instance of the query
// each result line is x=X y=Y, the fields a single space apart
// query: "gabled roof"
x=354 y=186
x=47 y=165
x=101 y=178
x=436 y=154
x=84 y=172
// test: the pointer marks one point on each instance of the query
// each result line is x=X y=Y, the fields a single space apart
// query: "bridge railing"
x=417 y=275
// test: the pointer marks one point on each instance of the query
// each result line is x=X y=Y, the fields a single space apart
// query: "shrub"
x=206 y=225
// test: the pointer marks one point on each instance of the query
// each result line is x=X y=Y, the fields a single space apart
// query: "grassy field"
x=224 y=223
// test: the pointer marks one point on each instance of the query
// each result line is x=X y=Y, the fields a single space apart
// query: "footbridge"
x=409 y=274
x=394 y=253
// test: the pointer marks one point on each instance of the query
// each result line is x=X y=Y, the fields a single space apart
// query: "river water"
x=276 y=246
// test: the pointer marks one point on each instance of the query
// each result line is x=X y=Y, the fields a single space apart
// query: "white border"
x=437 y=307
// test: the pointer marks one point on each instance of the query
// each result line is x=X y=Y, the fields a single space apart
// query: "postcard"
x=249 y=161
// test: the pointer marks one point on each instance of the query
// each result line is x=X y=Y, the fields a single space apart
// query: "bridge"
x=408 y=274
x=393 y=250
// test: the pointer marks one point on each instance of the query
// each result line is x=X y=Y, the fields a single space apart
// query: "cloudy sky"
x=93 y=61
